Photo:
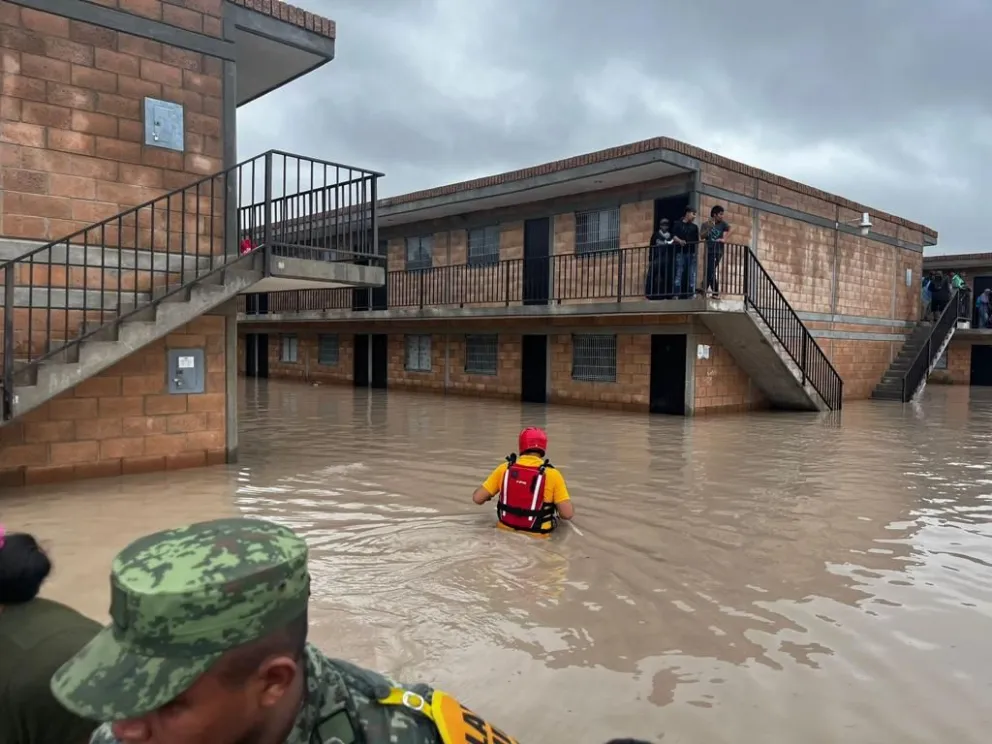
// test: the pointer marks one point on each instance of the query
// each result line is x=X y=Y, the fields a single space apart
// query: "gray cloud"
x=884 y=102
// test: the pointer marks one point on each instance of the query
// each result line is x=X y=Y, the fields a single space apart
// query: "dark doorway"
x=361 y=350
x=534 y=369
x=981 y=365
x=660 y=275
x=537 y=261
x=380 y=360
x=257 y=303
x=668 y=374
x=981 y=284
x=256 y=354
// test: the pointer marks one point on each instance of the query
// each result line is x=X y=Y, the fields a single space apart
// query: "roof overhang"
x=271 y=53
x=624 y=171
x=958 y=261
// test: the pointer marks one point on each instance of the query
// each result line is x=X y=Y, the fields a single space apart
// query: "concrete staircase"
x=891 y=385
x=153 y=315
x=763 y=358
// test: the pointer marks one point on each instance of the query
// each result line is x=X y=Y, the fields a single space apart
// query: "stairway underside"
x=36 y=384
x=760 y=355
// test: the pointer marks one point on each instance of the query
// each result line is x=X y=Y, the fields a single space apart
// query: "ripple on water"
x=769 y=577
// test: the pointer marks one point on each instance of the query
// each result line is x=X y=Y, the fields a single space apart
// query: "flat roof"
x=957 y=261
x=661 y=146
x=291 y=14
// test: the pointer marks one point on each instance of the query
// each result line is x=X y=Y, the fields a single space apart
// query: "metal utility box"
x=187 y=371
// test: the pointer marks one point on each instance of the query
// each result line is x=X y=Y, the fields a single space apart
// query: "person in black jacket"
x=658 y=281
x=685 y=235
x=940 y=292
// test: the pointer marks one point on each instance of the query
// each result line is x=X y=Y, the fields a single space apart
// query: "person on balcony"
x=209 y=645
x=685 y=234
x=984 y=305
x=657 y=283
x=37 y=636
x=532 y=493
x=715 y=231
x=940 y=294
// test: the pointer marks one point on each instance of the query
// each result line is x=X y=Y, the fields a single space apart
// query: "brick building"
x=122 y=210
x=532 y=285
x=968 y=357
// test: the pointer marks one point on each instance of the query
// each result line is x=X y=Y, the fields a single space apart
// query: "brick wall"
x=504 y=384
x=958 y=370
x=307 y=366
x=123 y=421
x=202 y=16
x=630 y=391
x=719 y=385
x=71 y=123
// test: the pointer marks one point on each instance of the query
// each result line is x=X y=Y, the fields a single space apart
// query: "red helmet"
x=532 y=438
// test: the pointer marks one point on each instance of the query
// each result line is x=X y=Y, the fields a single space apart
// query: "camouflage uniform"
x=181 y=598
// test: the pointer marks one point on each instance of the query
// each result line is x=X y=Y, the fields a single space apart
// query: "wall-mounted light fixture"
x=863 y=223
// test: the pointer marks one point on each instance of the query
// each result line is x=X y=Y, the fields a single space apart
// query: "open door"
x=257 y=355
x=981 y=365
x=534 y=369
x=380 y=360
x=667 y=393
x=537 y=261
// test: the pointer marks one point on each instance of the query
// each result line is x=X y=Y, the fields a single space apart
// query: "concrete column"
x=230 y=312
x=690 y=373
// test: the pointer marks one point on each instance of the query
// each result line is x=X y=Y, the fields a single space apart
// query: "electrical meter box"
x=186 y=370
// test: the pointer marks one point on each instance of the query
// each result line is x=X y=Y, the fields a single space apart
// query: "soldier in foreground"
x=208 y=646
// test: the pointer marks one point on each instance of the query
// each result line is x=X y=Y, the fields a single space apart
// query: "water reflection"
x=777 y=577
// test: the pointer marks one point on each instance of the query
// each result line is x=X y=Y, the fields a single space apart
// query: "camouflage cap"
x=179 y=600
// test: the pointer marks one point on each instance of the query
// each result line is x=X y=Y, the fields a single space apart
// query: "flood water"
x=755 y=578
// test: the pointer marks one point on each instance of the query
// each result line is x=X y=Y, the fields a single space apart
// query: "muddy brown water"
x=755 y=578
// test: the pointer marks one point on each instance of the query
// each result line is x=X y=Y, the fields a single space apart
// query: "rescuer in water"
x=532 y=493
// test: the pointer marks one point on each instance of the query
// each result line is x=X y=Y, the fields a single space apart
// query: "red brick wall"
x=958 y=370
x=71 y=123
x=123 y=420
x=719 y=385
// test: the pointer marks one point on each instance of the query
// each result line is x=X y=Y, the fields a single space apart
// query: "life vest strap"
x=455 y=723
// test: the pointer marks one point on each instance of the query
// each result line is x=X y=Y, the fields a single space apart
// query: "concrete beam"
x=273 y=29
x=95 y=257
x=59 y=300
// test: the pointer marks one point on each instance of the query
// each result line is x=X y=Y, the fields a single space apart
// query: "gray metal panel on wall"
x=146 y=28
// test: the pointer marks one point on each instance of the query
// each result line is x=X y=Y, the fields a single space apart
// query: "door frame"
x=528 y=287
x=362 y=360
x=684 y=405
x=378 y=378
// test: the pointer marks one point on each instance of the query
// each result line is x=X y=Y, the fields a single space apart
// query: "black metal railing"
x=766 y=299
x=652 y=273
x=62 y=293
x=941 y=330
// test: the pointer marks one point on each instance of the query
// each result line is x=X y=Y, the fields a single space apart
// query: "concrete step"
x=150 y=323
x=886 y=395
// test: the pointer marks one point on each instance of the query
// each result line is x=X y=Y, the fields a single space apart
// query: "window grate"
x=597 y=231
x=290 y=348
x=328 y=350
x=594 y=357
x=482 y=354
x=419 y=252
x=418 y=353
x=483 y=246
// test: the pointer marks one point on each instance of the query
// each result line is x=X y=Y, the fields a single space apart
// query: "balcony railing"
x=645 y=273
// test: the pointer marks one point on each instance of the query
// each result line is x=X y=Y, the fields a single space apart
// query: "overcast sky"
x=885 y=102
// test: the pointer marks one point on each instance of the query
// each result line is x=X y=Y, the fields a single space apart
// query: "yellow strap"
x=455 y=723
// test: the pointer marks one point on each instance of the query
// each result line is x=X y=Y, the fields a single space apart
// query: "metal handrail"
x=923 y=362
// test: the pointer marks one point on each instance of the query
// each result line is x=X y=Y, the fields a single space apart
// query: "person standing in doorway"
x=960 y=285
x=984 y=304
x=657 y=282
x=685 y=235
x=37 y=636
x=715 y=232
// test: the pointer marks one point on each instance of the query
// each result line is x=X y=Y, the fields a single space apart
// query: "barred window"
x=418 y=353
x=290 y=348
x=328 y=350
x=594 y=357
x=419 y=252
x=482 y=354
x=597 y=231
x=483 y=246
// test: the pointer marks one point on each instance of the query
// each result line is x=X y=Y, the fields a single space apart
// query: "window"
x=418 y=252
x=594 y=358
x=941 y=362
x=418 y=353
x=597 y=231
x=328 y=350
x=483 y=246
x=290 y=348
x=482 y=354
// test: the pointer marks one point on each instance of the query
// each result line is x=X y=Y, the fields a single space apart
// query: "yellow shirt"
x=555 y=490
